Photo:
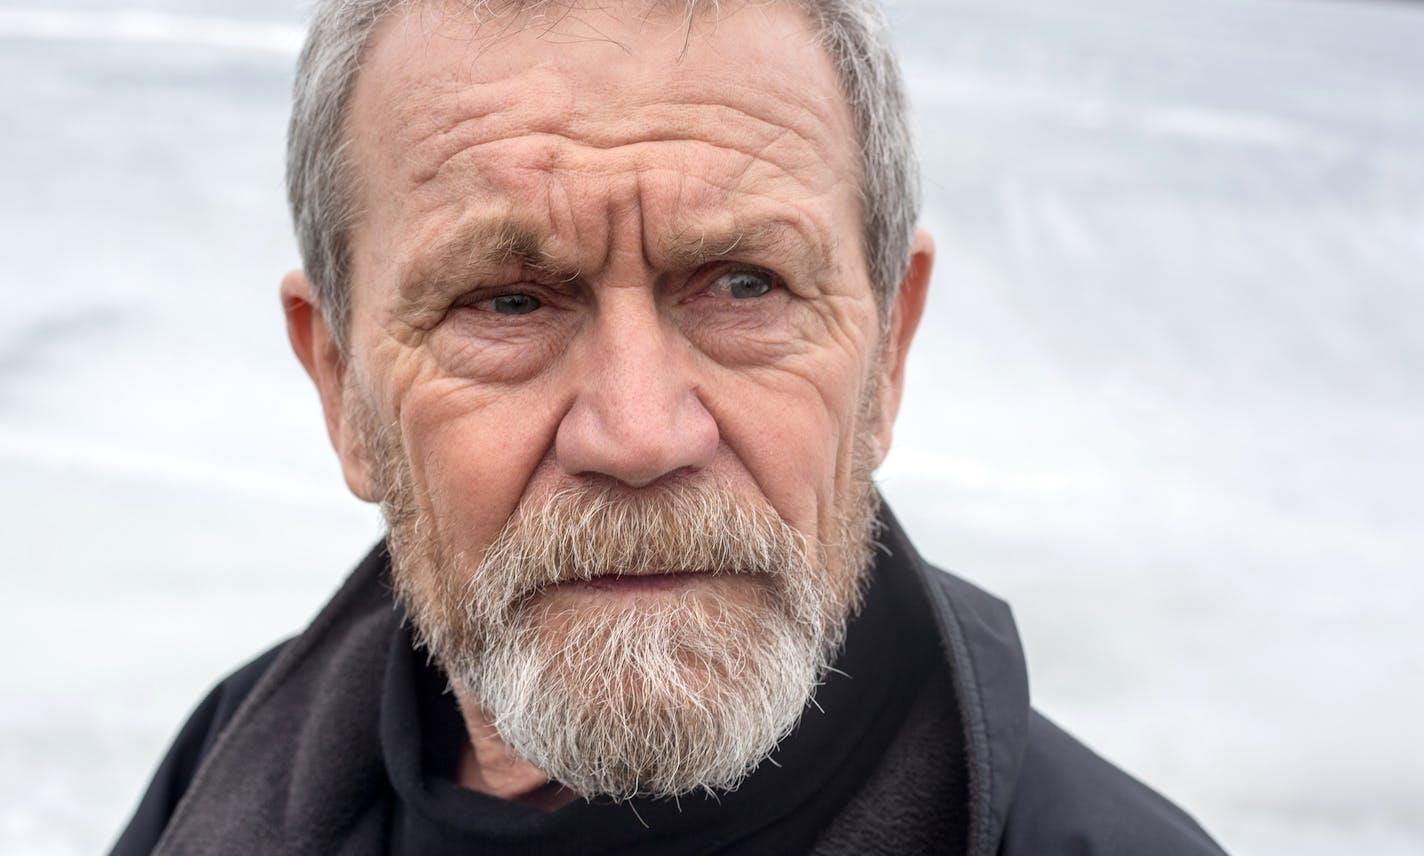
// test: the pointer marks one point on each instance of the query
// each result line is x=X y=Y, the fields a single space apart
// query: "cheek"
x=793 y=433
x=484 y=348
x=474 y=451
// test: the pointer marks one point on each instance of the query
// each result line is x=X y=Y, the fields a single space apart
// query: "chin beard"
x=640 y=696
x=648 y=701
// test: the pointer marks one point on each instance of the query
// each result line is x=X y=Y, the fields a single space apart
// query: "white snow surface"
x=1168 y=398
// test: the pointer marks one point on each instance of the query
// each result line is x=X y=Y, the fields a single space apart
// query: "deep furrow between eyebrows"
x=496 y=242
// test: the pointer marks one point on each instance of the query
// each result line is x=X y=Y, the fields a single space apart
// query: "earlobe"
x=316 y=348
x=908 y=307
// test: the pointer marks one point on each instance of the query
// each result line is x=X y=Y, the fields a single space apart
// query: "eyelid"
x=484 y=294
x=774 y=280
x=729 y=268
x=746 y=267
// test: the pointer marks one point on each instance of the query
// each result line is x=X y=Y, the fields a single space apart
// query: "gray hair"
x=321 y=187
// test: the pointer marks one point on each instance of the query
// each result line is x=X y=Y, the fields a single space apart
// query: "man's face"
x=611 y=260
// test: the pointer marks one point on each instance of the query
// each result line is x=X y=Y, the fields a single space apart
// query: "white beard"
x=644 y=696
x=639 y=702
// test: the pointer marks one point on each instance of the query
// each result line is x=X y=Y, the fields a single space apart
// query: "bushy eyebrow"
x=479 y=248
x=760 y=242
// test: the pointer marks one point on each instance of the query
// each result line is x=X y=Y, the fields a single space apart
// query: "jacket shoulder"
x=1071 y=801
x=185 y=755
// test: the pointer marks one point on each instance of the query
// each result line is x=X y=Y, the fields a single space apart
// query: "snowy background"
x=1168 y=399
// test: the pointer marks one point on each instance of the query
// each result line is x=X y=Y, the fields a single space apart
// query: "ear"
x=316 y=348
x=905 y=314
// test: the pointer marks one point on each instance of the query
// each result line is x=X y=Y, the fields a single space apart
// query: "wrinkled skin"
x=607 y=247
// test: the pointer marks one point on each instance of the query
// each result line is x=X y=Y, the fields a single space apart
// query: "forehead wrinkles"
x=795 y=145
x=587 y=197
x=416 y=118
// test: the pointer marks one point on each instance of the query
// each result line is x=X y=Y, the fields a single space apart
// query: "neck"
x=488 y=766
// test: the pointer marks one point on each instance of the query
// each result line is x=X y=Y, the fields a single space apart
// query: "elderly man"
x=608 y=304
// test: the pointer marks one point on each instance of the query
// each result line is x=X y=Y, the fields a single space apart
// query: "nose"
x=637 y=415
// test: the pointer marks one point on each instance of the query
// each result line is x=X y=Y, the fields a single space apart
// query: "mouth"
x=635 y=583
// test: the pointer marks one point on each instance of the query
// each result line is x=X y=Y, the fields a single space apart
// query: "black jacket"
x=264 y=765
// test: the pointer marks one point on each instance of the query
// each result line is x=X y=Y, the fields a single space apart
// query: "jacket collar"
x=981 y=645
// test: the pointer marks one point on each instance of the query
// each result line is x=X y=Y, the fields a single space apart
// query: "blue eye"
x=514 y=304
x=746 y=284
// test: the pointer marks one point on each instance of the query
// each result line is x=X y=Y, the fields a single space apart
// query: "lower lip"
x=637 y=583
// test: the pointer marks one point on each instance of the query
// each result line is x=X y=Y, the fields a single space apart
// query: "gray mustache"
x=580 y=534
